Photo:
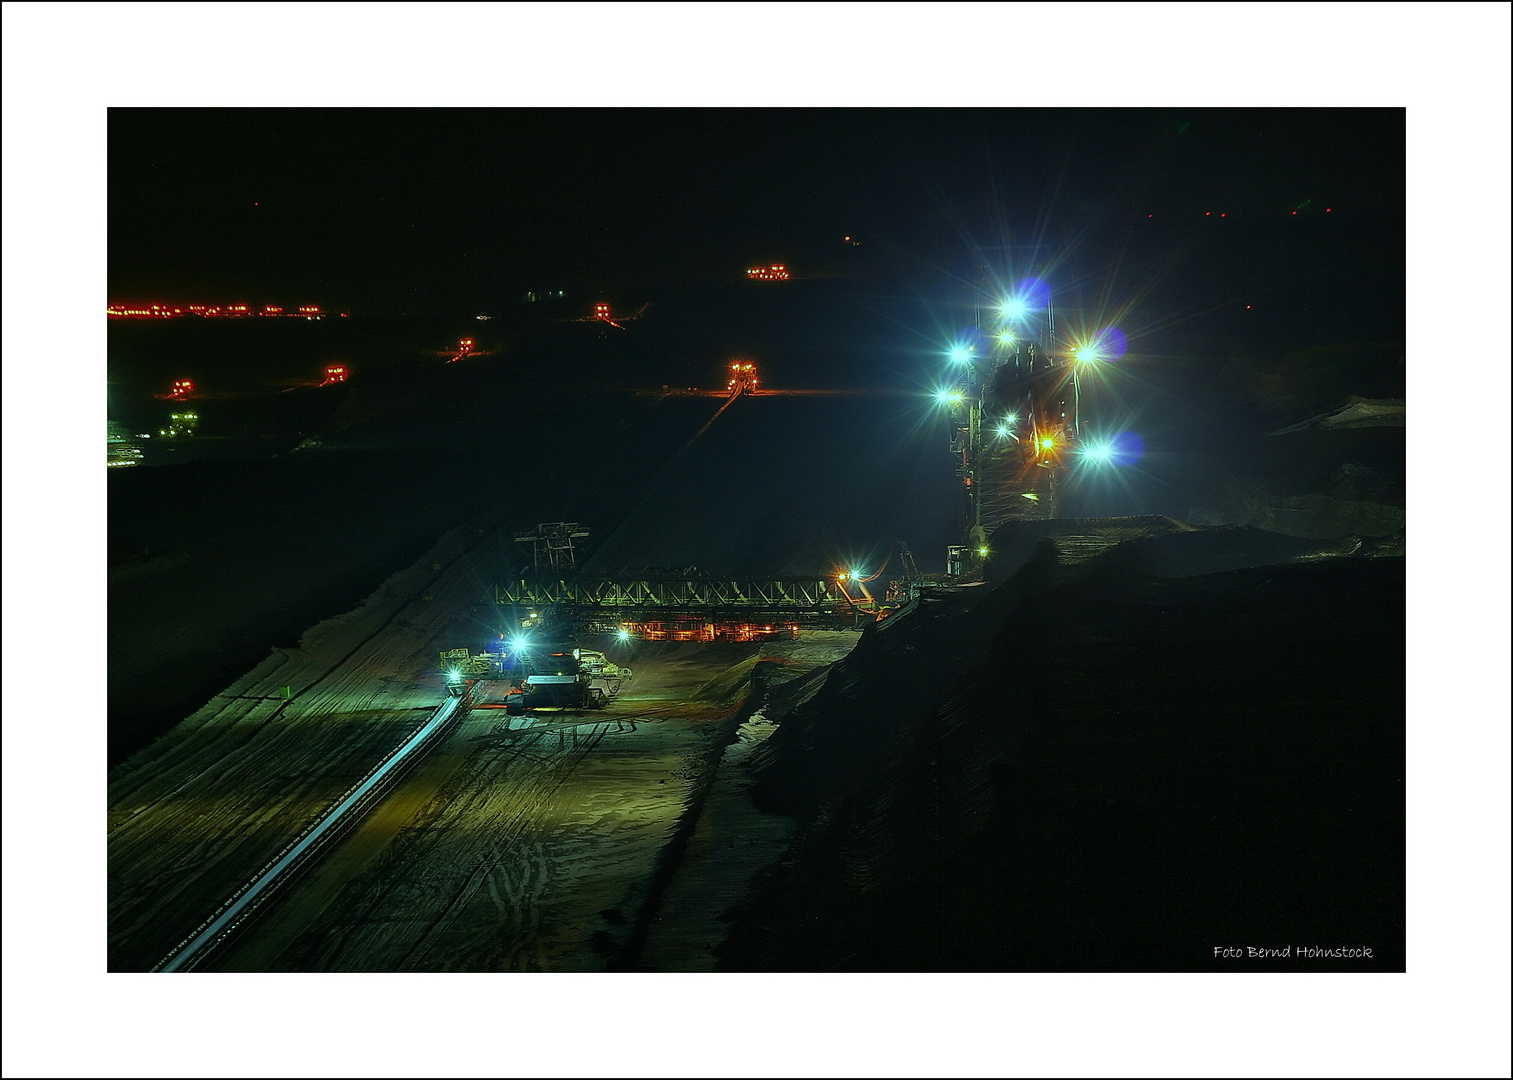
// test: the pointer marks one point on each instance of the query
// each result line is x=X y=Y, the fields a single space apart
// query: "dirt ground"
x=521 y=844
x=195 y=813
x=518 y=843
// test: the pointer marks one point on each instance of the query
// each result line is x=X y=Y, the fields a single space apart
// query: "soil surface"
x=518 y=843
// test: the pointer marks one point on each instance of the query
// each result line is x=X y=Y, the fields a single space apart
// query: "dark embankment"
x=1115 y=760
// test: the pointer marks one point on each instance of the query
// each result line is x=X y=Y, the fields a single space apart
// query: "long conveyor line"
x=303 y=848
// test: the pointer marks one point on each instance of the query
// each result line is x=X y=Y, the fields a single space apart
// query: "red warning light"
x=1208 y=213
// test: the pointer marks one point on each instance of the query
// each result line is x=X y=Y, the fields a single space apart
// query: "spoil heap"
x=1135 y=742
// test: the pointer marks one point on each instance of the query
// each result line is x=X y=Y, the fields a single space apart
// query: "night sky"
x=162 y=152
x=424 y=210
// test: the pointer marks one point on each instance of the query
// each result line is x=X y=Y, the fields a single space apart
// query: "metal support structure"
x=704 y=607
x=780 y=596
x=552 y=544
x=1012 y=475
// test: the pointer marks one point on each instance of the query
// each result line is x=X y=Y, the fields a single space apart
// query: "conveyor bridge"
x=647 y=595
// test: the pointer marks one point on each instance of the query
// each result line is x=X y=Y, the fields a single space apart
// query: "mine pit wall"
x=783 y=671
x=192 y=814
x=1099 y=767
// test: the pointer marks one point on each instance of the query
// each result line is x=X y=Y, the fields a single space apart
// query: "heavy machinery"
x=899 y=591
x=538 y=678
x=1010 y=432
x=577 y=679
x=743 y=378
x=1013 y=401
x=902 y=590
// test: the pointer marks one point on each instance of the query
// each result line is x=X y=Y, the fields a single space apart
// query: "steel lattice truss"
x=779 y=596
x=552 y=544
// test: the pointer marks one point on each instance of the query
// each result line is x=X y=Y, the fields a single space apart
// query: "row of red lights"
x=182 y=388
x=165 y=311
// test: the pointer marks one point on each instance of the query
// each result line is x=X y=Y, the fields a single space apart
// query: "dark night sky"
x=105 y=194
x=420 y=207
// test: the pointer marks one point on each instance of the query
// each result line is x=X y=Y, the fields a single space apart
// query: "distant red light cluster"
x=155 y=311
x=775 y=272
x=601 y=311
x=203 y=311
x=336 y=373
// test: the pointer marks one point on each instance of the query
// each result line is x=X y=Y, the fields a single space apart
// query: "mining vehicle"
x=743 y=378
x=562 y=679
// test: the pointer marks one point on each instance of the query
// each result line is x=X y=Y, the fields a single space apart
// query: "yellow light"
x=1047 y=444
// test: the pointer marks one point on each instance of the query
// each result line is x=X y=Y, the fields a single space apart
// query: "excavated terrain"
x=1119 y=743
x=1147 y=741
x=518 y=843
